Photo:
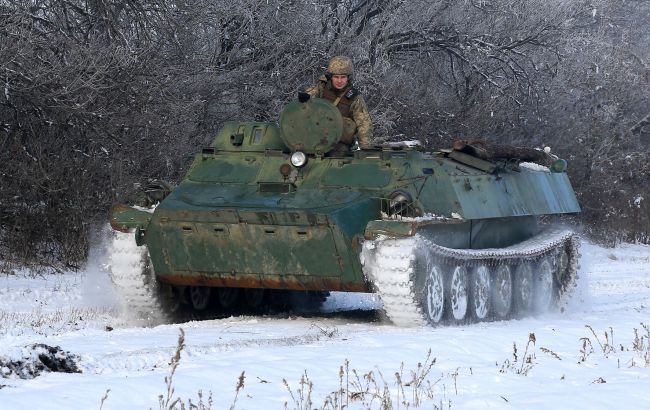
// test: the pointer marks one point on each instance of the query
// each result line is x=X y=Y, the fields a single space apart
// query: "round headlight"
x=298 y=159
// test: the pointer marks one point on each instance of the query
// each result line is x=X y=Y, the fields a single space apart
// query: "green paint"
x=243 y=212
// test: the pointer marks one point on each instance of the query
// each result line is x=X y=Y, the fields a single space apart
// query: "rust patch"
x=356 y=244
x=116 y=226
x=372 y=234
x=285 y=170
x=341 y=264
x=124 y=218
x=281 y=282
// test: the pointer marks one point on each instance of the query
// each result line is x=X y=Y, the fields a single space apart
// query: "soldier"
x=336 y=86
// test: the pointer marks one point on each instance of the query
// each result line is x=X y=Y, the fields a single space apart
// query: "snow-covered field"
x=596 y=354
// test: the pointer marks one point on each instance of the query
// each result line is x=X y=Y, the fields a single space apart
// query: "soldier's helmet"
x=340 y=65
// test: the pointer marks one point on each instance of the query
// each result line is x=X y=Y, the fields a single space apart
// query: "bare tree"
x=98 y=96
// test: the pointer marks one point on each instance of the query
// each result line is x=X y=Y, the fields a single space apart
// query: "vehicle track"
x=414 y=297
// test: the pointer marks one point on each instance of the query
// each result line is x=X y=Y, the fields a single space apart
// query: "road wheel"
x=430 y=276
x=502 y=291
x=228 y=297
x=199 y=297
x=523 y=292
x=480 y=293
x=543 y=285
x=562 y=266
x=170 y=298
x=458 y=293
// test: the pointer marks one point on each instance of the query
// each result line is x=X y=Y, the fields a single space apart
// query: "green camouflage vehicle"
x=447 y=236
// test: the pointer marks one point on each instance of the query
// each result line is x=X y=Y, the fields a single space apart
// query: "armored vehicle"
x=446 y=236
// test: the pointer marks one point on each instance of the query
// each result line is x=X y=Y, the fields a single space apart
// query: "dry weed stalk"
x=400 y=385
x=238 y=387
x=419 y=376
x=372 y=391
x=527 y=361
x=361 y=389
x=101 y=405
x=328 y=332
x=549 y=351
x=454 y=375
x=608 y=346
x=167 y=403
x=586 y=349
x=641 y=344
x=200 y=405
x=303 y=399
x=364 y=389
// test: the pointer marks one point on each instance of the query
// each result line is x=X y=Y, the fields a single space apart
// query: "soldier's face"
x=339 y=81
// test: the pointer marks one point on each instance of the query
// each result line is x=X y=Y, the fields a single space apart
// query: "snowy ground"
x=594 y=355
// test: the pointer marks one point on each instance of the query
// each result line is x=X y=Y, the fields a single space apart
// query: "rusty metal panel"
x=251 y=280
x=250 y=248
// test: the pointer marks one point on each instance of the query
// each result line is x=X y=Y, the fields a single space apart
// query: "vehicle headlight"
x=298 y=159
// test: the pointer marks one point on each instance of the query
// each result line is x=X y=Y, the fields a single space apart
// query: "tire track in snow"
x=148 y=358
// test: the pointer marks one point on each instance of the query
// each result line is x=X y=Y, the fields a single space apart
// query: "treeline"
x=98 y=96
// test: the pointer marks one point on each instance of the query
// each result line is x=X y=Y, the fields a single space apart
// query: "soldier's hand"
x=303 y=97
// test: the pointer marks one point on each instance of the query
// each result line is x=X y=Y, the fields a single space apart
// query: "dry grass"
x=26 y=268
x=406 y=388
x=301 y=398
x=641 y=345
x=167 y=401
x=527 y=361
x=606 y=346
x=238 y=387
x=46 y=323
x=371 y=390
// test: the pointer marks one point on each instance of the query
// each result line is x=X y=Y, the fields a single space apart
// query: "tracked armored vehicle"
x=446 y=236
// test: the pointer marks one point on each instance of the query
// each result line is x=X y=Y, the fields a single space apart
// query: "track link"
x=134 y=280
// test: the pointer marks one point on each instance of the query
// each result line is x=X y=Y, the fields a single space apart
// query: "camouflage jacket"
x=356 y=119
